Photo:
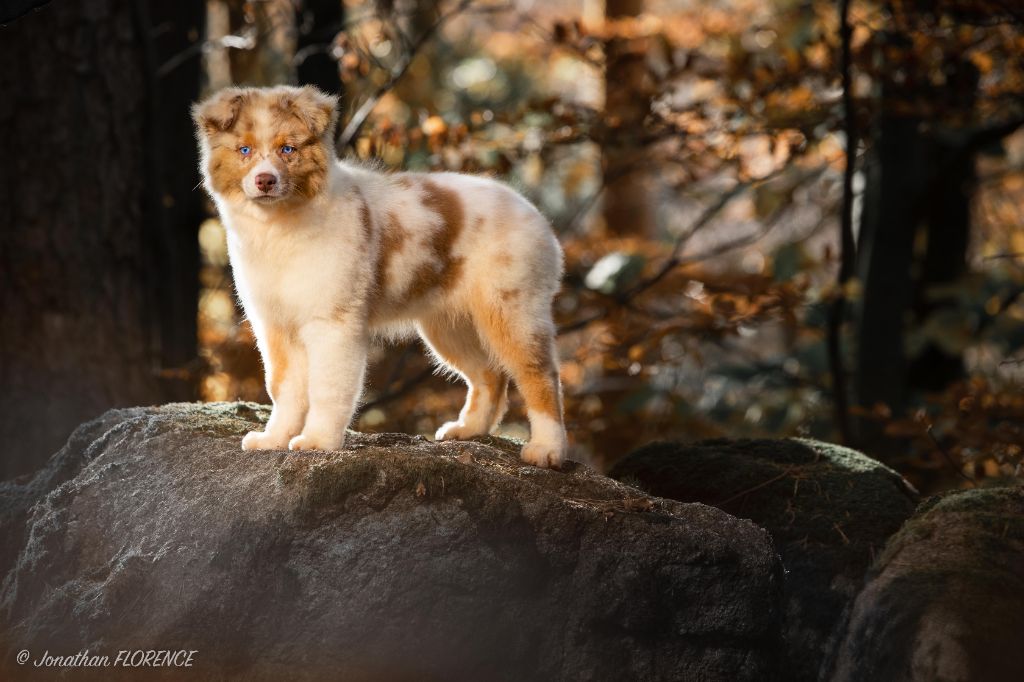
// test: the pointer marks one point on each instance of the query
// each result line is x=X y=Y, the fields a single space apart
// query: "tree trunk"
x=945 y=260
x=889 y=222
x=87 y=212
x=948 y=215
x=626 y=204
x=319 y=21
x=920 y=184
x=174 y=207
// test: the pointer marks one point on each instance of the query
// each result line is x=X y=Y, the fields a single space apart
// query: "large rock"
x=395 y=559
x=830 y=510
x=17 y=496
x=945 y=602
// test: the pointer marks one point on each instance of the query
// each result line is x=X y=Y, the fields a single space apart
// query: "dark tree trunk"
x=627 y=206
x=948 y=214
x=319 y=21
x=920 y=183
x=890 y=219
x=87 y=212
x=174 y=203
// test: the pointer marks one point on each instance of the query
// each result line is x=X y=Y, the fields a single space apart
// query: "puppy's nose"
x=265 y=182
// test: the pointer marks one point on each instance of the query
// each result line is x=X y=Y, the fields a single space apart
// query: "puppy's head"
x=266 y=145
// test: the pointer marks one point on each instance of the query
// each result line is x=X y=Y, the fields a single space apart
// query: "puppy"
x=327 y=255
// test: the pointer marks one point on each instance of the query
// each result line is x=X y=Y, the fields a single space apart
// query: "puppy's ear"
x=219 y=112
x=316 y=109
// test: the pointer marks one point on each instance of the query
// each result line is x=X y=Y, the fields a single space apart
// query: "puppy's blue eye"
x=245 y=150
x=287 y=149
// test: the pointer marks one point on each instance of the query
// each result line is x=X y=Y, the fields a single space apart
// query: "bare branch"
x=676 y=259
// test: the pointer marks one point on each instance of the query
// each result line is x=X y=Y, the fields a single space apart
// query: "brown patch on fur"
x=441 y=270
x=392 y=237
x=227 y=168
x=403 y=182
x=308 y=171
x=307 y=166
x=316 y=111
x=365 y=217
x=503 y=258
x=276 y=362
x=220 y=112
x=508 y=294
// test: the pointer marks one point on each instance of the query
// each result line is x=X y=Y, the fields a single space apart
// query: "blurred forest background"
x=780 y=217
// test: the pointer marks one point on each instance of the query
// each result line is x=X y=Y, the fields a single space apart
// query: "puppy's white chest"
x=279 y=278
x=272 y=276
x=285 y=277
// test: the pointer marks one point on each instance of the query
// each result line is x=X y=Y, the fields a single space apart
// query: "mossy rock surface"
x=945 y=601
x=830 y=510
x=395 y=559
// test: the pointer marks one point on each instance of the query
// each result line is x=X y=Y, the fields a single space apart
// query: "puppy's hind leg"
x=456 y=346
x=523 y=340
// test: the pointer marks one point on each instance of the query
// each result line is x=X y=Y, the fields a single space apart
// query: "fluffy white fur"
x=464 y=261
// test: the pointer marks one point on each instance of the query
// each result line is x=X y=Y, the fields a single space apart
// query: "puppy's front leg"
x=336 y=356
x=284 y=363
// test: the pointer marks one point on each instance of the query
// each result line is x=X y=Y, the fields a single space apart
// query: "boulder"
x=17 y=496
x=945 y=601
x=394 y=559
x=830 y=510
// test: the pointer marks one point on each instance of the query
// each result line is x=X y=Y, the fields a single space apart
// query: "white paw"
x=312 y=442
x=543 y=455
x=457 y=431
x=261 y=440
